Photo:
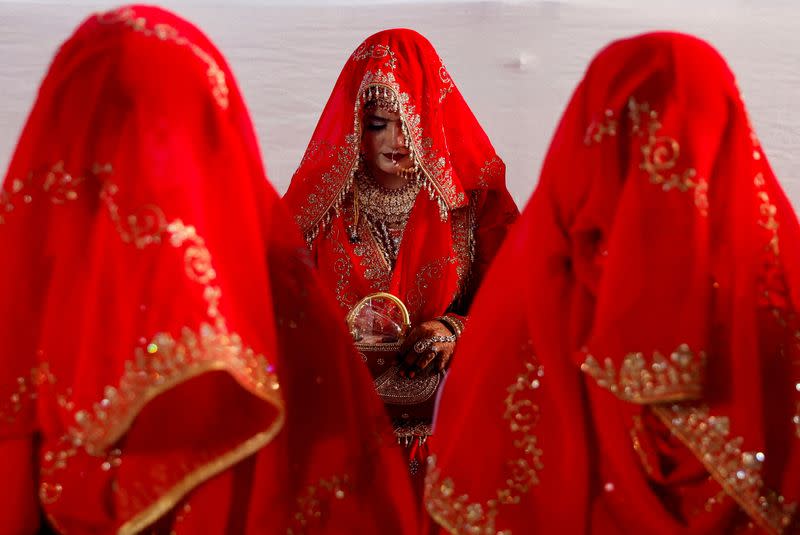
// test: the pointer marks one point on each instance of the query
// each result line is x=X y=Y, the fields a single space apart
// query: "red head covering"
x=656 y=256
x=162 y=319
x=463 y=175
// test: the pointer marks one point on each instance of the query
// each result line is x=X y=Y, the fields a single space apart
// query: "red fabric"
x=657 y=222
x=463 y=173
x=163 y=322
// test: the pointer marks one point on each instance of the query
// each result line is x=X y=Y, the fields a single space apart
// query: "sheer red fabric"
x=166 y=346
x=465 y=213
x=642 y=319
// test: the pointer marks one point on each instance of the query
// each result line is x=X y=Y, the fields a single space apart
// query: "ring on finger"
x=426 y=343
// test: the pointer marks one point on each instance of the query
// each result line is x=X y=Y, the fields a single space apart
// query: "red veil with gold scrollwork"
x=168 y=354
x=648 y=376
x=453 y=230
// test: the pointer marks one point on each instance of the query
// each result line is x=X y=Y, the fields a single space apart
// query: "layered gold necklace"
x=386 y=210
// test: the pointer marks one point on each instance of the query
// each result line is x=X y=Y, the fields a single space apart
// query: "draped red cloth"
x=168 y=355
x=462 y=213
x=633 y=360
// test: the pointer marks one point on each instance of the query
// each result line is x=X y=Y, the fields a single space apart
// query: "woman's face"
x=383 y=145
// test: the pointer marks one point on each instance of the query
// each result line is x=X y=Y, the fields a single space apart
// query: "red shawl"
x=462 y=213
x=633 y=364
x=161 y=320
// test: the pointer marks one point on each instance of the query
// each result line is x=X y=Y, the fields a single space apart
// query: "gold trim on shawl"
x=651 y=380
x=168 y=500
x=456 y=513
x=738 y=472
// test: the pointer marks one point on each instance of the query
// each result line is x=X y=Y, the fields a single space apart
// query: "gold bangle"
x=454 y=324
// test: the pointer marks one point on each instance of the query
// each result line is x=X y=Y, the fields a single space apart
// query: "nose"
x=398 y=138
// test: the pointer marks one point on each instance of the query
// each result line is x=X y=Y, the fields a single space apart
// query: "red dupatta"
x=160 y=322
x=454 y=229
x=648 y=374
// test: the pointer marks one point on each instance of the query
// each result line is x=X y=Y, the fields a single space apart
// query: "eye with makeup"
x=376 y=124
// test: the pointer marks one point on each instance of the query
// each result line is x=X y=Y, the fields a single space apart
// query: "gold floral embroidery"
x=51 y=462
x=310 y=503
x=430 y=274
x=343 y=267
x=25 y=392
x=147 y=225
x=332 y=188
x=463 y=235
x=768 y=220
x=736 y=470
x=661 y=154
x=55 y=460
x=767 y=215
x=658 y=379
x=447 y=81
x=599 y=129
x=166 y=361
x=59 y=185
x=375 y=51
x=456 y=513
x=492 y=170
x=376 y=266
x=164 y=32
x=141 y=228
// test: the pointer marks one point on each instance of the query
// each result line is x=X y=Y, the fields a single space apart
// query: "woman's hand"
x=428 y=343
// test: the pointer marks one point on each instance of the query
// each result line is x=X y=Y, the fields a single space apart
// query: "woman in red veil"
x=169 y=360
x=400 y=191
x=648 y=376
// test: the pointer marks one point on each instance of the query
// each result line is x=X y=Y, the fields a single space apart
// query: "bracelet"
x=455 y=325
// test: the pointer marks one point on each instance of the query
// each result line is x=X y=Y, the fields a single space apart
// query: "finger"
x=443 y=361
x=407 y=364
x=410 y=340
x=410 y=359
x=426 y=360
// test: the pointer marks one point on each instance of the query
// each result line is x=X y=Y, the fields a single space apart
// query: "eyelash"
x=376 y=127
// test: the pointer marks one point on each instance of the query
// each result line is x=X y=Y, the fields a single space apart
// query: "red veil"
x=642 y=319
x=465 y=213
x=161 y=319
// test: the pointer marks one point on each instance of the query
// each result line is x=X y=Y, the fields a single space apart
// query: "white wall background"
x=515 y=62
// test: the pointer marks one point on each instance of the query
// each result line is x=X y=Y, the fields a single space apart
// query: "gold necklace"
x=381 y=204
x=386 y=211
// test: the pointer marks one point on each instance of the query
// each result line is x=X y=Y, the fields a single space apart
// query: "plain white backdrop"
x=516 y=62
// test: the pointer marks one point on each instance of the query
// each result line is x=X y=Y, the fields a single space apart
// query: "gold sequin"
x=657 y=379
x=738 y=471
x=598 y=129
x=25 y=391
x=636 y=430
x=456 y=513
x=310 y=505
